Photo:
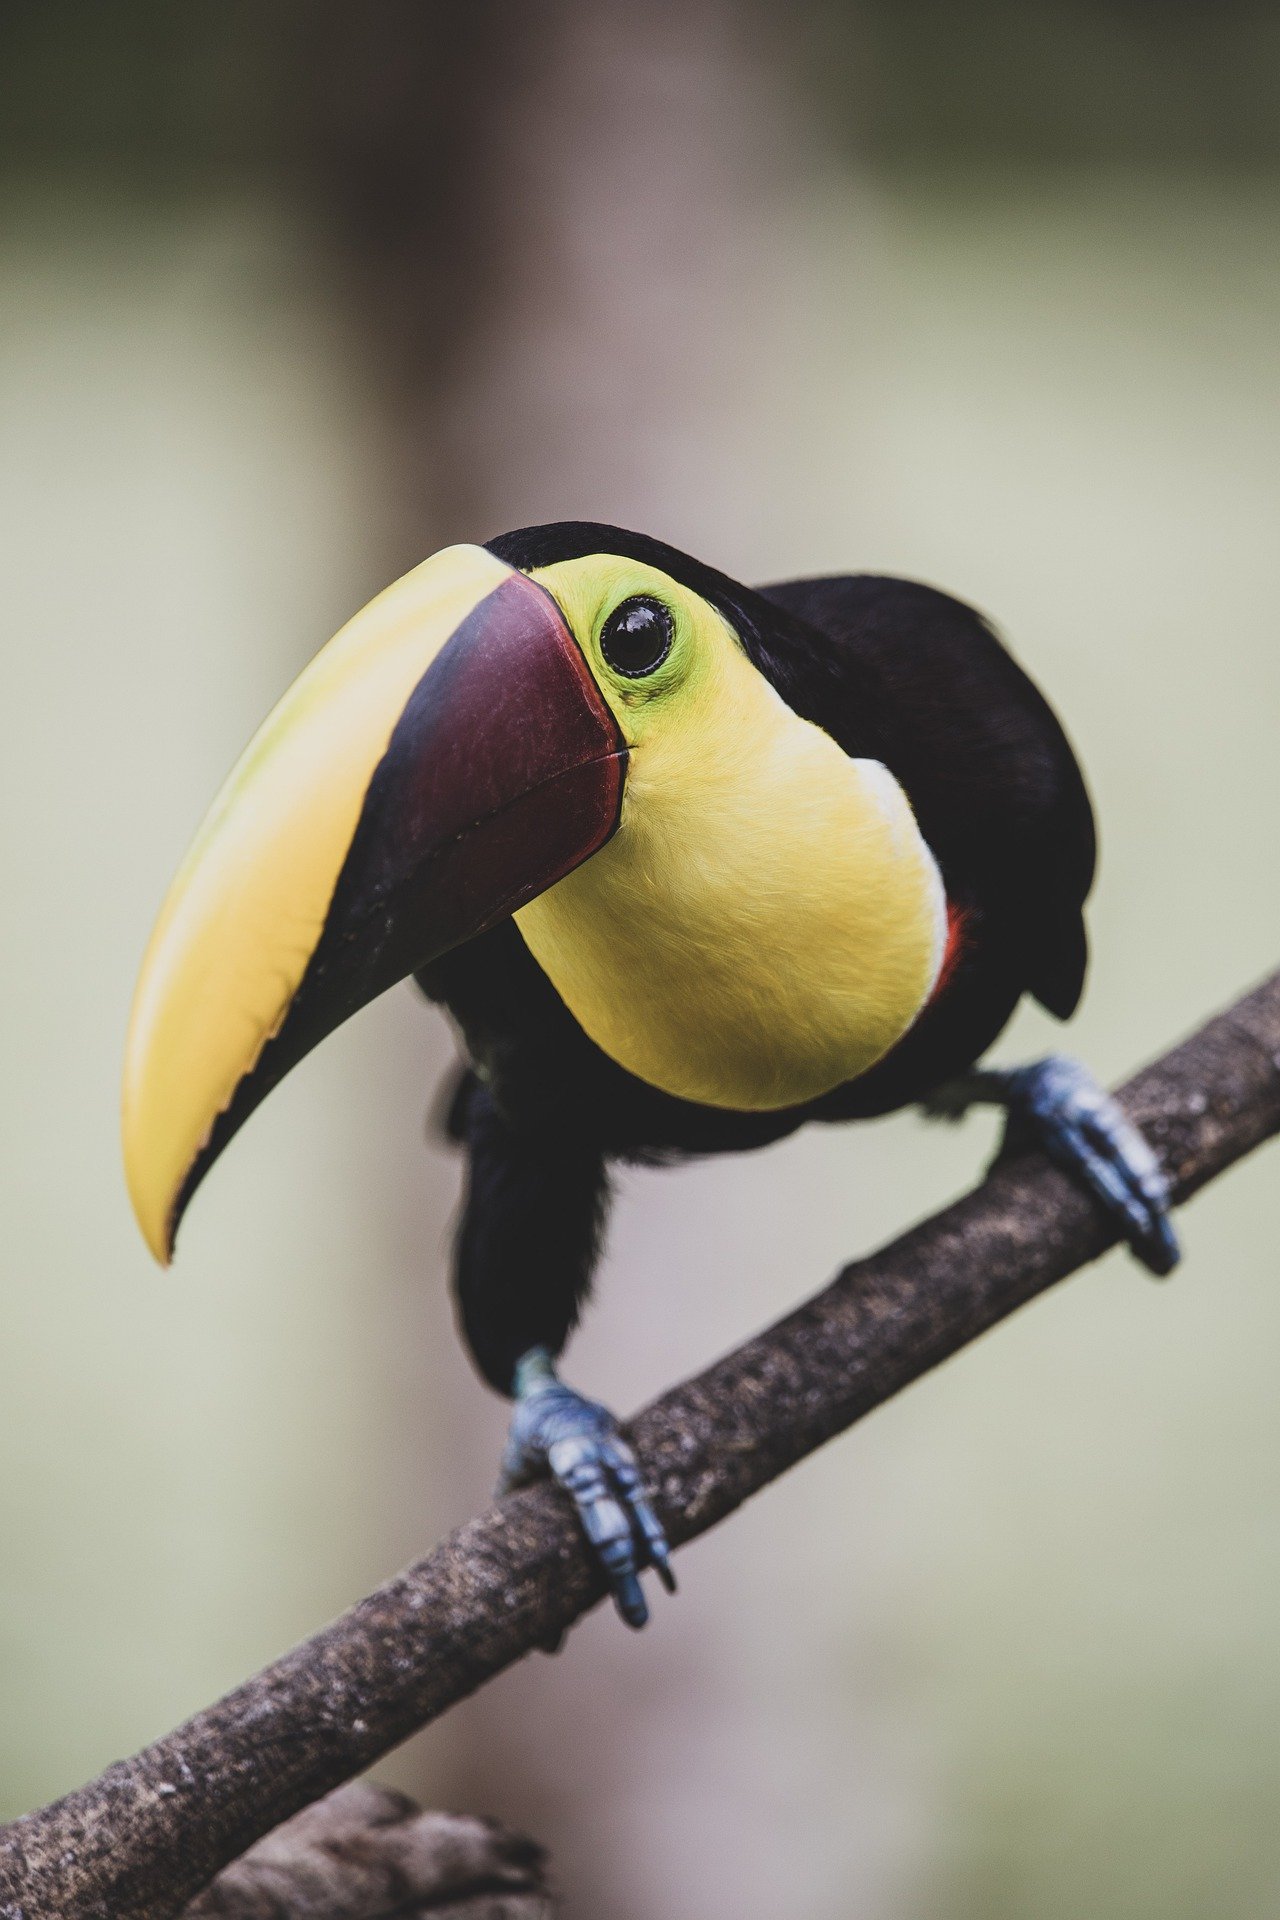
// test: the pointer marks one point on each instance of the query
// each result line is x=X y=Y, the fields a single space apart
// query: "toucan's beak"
x=446 y=758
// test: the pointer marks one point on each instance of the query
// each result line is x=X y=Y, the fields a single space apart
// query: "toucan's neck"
x=766 y=922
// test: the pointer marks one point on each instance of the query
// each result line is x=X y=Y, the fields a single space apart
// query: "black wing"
x=920 y=681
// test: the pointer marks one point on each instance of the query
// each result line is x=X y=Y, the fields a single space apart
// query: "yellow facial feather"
x=767 y=921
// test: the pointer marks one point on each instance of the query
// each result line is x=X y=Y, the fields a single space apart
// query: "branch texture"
x=138 y=1842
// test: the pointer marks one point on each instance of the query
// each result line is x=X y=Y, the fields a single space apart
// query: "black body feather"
x=892 y=670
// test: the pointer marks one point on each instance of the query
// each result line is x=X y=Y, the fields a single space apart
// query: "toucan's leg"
x=527 y=1246
x=1058 y=1103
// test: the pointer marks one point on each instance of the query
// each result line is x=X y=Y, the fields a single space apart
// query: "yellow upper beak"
x=310 y=886
x=245 y=911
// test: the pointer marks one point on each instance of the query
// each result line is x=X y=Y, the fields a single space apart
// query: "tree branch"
x=365 y=1853
x=139 y=1841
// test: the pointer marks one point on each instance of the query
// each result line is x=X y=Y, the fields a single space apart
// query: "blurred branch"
x=365 y=1853
x=136 y=1843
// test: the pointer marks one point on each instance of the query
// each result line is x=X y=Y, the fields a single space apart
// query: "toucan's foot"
x=1058 y=1104
x=1087 y=1132
x=555 y=1430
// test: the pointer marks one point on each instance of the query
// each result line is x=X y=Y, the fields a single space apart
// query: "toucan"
x=687 y=864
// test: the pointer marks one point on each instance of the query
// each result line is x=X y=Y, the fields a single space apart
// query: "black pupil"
x=636 y=638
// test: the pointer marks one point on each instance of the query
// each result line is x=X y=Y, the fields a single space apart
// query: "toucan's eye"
x=637 y=637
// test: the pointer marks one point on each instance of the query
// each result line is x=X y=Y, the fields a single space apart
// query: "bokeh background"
x=291 y=295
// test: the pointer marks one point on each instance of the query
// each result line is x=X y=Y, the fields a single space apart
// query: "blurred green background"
x=291 y=295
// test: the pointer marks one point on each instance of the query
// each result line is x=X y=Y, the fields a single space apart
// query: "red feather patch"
x=956 y=920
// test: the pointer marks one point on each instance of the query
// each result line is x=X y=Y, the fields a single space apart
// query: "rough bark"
x=136 y=1843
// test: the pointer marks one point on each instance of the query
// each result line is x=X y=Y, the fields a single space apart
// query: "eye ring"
x=638 y=636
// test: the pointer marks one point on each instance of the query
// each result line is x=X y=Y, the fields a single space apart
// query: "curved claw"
x=1087 y=1132
x=577 y=1441
x=626 y=1474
